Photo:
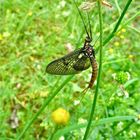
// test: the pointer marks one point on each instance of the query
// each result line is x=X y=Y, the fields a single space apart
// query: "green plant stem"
x=54 y=131
x=112 y=34
x=100 y=60
x=125 y=128
x=99 y=72
x=130 y=19
x=68 y=79
x=44 y=106
x=118 y=7
x=103 y=121
x=117 y=24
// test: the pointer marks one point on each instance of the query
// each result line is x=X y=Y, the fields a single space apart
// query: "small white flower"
x=76 y=102
x=62 y=3
x=6 y=34
x=71 y=36
x=87 y=6
x=66 y=13
x=81 y=120
x=38 y=66
x=132 y=134
x=114 y=76
x=18 y=85
x=126 y=94
x=120 y=94
x=120 y=125
x=62 y=138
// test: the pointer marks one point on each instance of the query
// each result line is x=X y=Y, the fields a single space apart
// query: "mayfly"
x=78 y=60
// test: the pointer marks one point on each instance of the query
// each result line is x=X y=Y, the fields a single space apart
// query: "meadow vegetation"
x=32 y=34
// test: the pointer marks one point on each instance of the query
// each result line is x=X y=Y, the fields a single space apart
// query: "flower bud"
x=60 y=116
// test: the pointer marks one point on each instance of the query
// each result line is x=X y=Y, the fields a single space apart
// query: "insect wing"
x=72 y=63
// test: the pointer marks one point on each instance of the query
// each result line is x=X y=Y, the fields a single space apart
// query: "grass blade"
x=100 y=60
x=48 y=100
x=118 y=23
x=99 y=72
x=68 y=129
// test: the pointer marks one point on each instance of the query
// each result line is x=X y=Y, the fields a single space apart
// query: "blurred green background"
x=32 y=34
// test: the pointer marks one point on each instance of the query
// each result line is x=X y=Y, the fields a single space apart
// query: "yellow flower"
x=116 y=43
x=43 y=94
x=97 y=118
x=131 y=56
x=123 y=30
x=1 y=37
x=122 y=36
x=30 y=13
x=138 y=116
x=110 y=50
x=60 y=116
x=31 y=58
x=118 y=33
x=6 y=34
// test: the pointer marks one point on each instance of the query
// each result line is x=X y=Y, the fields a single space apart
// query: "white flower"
x=120 y=94
x=62 y=138
x=76 y=102
x=114 y=76
x=132 y=134
x=66 y=13
x=120 y=125
x=81 y=120
x=126 y=94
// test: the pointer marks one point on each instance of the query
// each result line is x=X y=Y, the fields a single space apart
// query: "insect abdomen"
x=94 y=73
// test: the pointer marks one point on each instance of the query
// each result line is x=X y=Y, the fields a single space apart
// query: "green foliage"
x=32 y=34
x=122 y=77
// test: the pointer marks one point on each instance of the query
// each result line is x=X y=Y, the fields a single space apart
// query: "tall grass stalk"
x=99 y=72
x=48 y=100
x=75 y=127
x=100 y=59
x=118 y=23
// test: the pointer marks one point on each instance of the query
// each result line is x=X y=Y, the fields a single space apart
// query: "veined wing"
x=71 y=63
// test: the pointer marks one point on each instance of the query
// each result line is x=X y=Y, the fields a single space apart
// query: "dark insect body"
x=76 y=61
